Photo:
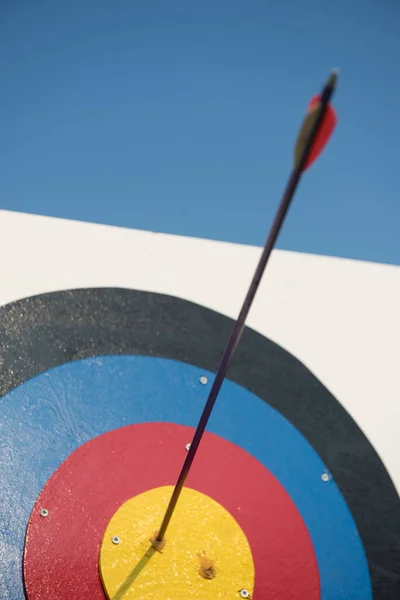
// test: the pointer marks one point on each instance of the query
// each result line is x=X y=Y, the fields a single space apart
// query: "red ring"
x=61 y=550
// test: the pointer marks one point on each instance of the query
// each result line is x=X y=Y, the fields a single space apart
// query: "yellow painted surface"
x=201 y=530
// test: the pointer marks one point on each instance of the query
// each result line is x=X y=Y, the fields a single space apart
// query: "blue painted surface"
x=46 y=418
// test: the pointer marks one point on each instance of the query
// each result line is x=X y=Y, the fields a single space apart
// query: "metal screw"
x=115 y=539
x=44 y=512
x=244 y=594
x=187 y=447
x=203 y=380
x=325 y=477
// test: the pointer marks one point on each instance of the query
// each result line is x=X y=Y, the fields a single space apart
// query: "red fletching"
x=324 y=133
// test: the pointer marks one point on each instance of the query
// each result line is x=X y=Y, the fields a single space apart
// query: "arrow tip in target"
x=325 y=130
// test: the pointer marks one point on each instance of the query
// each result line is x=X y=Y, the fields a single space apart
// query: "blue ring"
x=49 y=416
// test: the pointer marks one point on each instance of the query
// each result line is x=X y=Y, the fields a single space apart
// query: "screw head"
x=203 y=379
x=244 y=593
x=115 y=540
x=325 y=477
x=188 y=447
x=44 y=512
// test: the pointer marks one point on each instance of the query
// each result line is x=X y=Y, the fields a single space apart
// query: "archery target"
x=82 y=364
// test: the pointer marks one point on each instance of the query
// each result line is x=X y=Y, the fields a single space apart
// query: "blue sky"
x=180 y=117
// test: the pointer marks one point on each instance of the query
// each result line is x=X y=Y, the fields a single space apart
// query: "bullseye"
x=207 y=554
x=82 y=496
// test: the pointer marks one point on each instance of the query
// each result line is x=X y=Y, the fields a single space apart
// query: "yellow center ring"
x=206 y=555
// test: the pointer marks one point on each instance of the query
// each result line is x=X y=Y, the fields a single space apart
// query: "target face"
x=101 y=391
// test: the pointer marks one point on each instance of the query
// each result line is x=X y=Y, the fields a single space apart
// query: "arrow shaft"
x=248 y=301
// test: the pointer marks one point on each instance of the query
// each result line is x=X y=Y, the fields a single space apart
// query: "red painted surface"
x=61 y=551
x=325 y=132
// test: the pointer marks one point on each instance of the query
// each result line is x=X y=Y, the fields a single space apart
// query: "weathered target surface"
x=81 y=365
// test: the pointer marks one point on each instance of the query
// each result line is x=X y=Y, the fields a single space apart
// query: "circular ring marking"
x=112 y=380
x=206 y=554
x=44 y=331
x=102 y=474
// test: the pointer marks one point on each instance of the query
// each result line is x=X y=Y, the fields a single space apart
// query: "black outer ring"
x=41 y=332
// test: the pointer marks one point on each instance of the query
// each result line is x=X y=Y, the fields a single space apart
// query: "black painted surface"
x=44 y=331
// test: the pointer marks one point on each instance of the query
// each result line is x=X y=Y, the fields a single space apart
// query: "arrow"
x=324 y=133
x=314 y=134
